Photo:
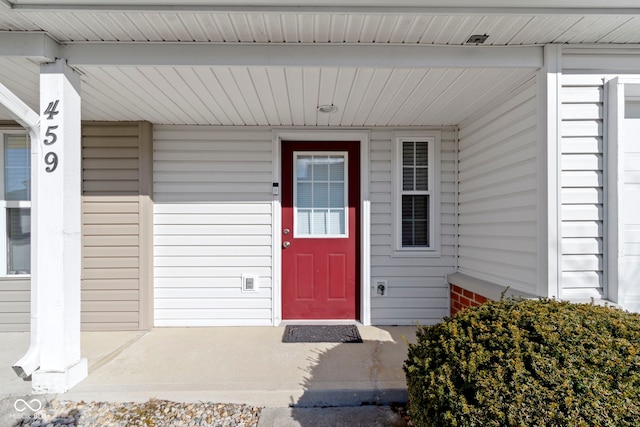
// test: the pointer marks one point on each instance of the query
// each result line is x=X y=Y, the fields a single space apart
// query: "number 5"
x=50 y=134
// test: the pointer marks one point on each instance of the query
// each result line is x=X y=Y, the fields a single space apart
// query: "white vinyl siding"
x=498 y=177
x=212 y=224
x=417 y=288
x=582 y=182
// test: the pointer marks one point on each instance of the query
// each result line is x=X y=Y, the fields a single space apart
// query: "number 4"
x=51 y=109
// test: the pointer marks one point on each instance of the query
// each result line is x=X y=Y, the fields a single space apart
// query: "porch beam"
x=602 y=60
x=37 y=46
x=198 y=54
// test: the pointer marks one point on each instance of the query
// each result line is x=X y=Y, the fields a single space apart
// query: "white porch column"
x=57 y=225
x=549 y=242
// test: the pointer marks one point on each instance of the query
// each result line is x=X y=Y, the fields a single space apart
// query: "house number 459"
x=51 y=158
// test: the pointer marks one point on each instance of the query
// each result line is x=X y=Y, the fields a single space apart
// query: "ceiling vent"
x=477 y=39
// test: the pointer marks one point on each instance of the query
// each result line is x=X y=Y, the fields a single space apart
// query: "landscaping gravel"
x=151 y=413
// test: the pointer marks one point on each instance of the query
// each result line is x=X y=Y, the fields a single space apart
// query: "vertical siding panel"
x=417 y=286
x=498 y=210
x=582 y=210
x=113 y=219
x=212 y=223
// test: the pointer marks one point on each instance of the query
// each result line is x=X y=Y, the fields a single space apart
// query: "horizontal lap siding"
x=417 y=286
x=582 y=189
x=110 y=235
x=111 y=232
x=498 y=213
x=212 y=223
x=15 y=297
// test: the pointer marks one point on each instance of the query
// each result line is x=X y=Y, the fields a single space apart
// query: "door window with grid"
x=320 y=194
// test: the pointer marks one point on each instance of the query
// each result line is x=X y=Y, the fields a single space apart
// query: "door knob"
x=286 y=244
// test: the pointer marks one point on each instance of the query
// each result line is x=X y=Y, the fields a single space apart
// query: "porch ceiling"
x=276 y=96
x=282 y=92
x=384 y=25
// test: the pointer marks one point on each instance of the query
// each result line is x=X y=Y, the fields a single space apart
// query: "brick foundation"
x=462 y=298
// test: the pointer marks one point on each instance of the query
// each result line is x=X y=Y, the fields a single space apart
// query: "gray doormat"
x=322 y=333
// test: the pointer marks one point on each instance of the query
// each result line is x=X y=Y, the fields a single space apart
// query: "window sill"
x=7 y=277
x=416 y=253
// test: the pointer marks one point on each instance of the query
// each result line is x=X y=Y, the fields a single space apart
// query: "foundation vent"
x=249 y=283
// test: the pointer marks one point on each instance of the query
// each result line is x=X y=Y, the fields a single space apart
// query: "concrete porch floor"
x=230 y=365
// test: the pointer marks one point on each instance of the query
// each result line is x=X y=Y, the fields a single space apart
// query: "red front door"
x=320 y=230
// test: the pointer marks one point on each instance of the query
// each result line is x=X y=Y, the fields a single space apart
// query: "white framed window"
x=320 y=195
x=416 y=188
x=15 y=203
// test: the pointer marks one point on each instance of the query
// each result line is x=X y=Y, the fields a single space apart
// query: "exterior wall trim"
x=363 y=137
x=614 y=98
x=145 y=198
x=549 y=241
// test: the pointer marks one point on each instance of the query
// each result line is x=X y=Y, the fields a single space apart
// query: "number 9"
x=51 y=160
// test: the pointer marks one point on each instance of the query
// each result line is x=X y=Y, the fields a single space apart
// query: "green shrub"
x=527 y=363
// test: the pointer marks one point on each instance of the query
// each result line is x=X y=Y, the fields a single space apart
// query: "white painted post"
x=549 y=237
x=614 y=189
x=57 y=210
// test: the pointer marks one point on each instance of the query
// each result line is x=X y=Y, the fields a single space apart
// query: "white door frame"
x=362 y=136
